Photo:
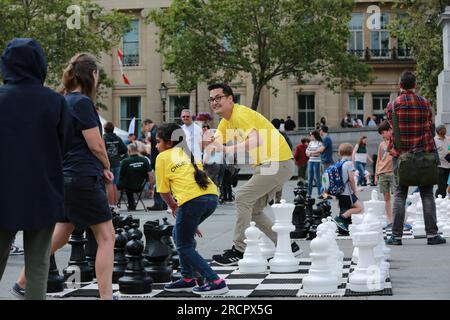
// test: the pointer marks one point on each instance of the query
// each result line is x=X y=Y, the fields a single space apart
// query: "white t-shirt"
x=194 y=139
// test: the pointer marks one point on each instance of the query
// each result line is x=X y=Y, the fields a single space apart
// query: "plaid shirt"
x=414 y=121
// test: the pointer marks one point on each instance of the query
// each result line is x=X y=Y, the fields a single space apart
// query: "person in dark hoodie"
x=116 y=149
x=85 y=168
x=33 y=113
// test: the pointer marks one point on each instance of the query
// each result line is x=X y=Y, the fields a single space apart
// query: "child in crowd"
x=384 y=175
x=196 y=196
x=349 y=203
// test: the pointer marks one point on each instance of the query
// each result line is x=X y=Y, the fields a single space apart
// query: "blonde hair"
x=345 y=149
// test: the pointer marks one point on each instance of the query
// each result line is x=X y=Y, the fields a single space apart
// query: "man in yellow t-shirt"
x=269 y=154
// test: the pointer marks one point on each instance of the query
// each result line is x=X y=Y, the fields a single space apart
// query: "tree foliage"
x=54 y=25
x=420 y=32
x=220 y=40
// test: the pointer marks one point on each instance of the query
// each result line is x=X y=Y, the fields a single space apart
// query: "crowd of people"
x=187 y=169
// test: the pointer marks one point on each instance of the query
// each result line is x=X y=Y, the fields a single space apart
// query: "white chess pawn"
x=284 y=260
x=320 y=278
x=411 y=211
x=252 y=261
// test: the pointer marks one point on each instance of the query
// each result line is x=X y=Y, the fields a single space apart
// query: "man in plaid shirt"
x=414 y=121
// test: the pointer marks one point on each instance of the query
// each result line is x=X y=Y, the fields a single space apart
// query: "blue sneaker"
x=180 y=285
x=341 y=223
x=407 y=227
x=388 y=226
x=211 y=288
x=17 y=291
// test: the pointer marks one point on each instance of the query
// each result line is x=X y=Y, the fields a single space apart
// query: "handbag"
x=414 y=169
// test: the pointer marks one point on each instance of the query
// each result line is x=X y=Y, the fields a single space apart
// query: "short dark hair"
x=276 y=123
x=407 y=80
x=324 y=128
x=384 y=126
x=109 y=127
x=304 y=140
x=147 y=121
x=226 y=88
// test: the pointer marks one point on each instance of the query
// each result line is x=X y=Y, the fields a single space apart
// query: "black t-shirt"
x=115 y=148
x=133 y=171
x=79 y=160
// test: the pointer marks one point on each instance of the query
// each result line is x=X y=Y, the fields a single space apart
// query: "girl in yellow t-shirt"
x=196 y=197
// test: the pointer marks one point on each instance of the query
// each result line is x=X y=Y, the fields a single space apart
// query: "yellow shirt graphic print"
x=273 y=147
x=175 y=174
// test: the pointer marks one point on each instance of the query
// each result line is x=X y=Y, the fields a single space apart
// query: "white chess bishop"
x=284 y=260
x=253 y=260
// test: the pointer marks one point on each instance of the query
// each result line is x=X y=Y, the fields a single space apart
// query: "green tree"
x=211 y=40
x=62 y=32
x=420 y=32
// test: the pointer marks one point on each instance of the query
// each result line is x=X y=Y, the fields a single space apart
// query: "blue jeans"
x=314 y=173
x=361 y=167
x=189 y=216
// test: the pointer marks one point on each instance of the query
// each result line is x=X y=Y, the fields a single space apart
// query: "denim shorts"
x=116 y=172
x=346 y=202
x=85 y=201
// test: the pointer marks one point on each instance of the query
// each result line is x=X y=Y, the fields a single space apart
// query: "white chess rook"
x=284 y=260
x=253 y=261
x=367 y=276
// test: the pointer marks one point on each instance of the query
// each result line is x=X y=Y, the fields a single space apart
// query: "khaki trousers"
x=253 y=196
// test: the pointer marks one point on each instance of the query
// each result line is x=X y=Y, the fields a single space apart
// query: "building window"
x=130 y=107
x=380 y=101
x=356 y=107
x=356 y=42
x=379 y=39
x=131 y=45
x=306 y=111
x=402 y=50
x=176 y=104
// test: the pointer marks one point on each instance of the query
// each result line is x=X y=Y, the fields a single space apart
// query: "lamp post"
x=163 y=94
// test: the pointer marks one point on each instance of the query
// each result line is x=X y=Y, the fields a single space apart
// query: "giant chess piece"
x=78 y=269
x=91 y=249
x=134 y=230
x=320 y=278
x=167 y=240
x=446 y=228
x=298 y=220
x=284 y=259
x=378 y=207
x=253 y=260
x=380 y=257
x=356 y=220
x=411 y=211
x=55 y=282
x=441 y=215
x=418 y=228
x=157 y=253
x=309 y=220
x=367 y=275
x=266 y=246
x=135 y=279
x=120 y=261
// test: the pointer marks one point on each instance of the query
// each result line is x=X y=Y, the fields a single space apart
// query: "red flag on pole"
x=124 y=77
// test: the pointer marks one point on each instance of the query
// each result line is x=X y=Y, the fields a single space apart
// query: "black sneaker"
x=394 y=241
x=436 y=240
x=229 y=257
x=17 y=291
x=155 y=208
x=341 y=223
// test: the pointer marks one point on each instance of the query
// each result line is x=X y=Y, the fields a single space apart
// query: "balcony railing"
x=382 y=54
x=130 y=60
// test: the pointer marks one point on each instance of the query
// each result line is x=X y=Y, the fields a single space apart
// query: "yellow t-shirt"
x=175 y=173
x=274 y=147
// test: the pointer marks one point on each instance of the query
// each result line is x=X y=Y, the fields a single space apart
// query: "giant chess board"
x=264 y=285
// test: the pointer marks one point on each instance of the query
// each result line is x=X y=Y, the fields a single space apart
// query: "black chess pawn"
x=157 y=252
x=55 y=282
x=78 y=269
x=135 y=280
x=298 y=220
x=120 y=261
x=134 y=230
x=91 y=249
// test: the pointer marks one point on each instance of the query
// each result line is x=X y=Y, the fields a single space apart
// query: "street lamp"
x=163 y=94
